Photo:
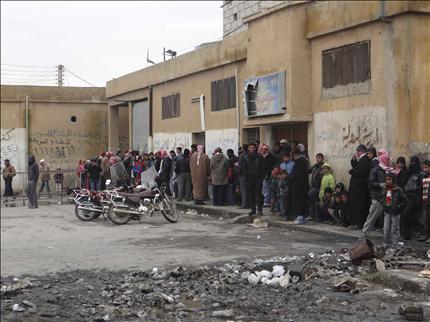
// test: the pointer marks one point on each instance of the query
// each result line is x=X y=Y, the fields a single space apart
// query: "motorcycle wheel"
x=83 y=214
x=118 y=218
x=168 y=210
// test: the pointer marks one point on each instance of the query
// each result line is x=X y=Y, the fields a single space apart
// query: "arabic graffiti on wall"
x=170 y=141
x=338 y=133
x=359 y=135
x=66 y=146
x=13 y=143
x=225 y=139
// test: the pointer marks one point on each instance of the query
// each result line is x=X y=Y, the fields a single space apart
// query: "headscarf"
x=414 y=165
x=264 y=150
x=384 y=160
x=162 y=153
x=200 y=149
x=301 y=147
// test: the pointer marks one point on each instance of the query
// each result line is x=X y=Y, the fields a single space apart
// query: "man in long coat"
x=200 y=171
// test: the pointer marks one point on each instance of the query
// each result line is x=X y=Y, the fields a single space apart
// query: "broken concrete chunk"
x=278 y=271
x=223 y=314
x=412 y=312
x=18 y=308
x=380 y=265
x=345 y=285
x=253 y=279
x=29 y=304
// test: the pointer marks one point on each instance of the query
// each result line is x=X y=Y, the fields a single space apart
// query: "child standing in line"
x=335 y=208
x=274 y=191
x=327 y=180
x=393 y=202
x=58 y=177
x=283 y=194
x=323 y=206
x=345 y=210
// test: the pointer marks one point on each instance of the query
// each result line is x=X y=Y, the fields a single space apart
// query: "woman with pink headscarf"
x=200 y=171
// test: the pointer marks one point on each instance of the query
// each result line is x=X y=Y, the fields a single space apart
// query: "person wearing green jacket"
x=327 y=180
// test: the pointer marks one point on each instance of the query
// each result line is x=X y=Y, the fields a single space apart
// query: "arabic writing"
x=169 y=141
x=359 y=136
x=13 y=147
x=63 y=146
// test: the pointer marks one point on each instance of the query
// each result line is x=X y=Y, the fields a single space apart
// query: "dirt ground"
x=52 y=239
x=57 y=268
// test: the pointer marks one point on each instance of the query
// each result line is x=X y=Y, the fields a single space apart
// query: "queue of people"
x=381 y=194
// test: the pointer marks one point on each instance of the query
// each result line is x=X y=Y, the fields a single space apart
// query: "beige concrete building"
x=235 y=13
x=329 y=74
x=58 y=124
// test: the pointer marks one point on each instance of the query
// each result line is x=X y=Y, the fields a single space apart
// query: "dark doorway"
x=291 y=132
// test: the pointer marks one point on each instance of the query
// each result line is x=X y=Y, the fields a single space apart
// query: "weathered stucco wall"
x=419 y=84
x=277 y=43
x=62 y=143
x=51 y=134
x=170 y=141
x=189 y=88
x=225 y=139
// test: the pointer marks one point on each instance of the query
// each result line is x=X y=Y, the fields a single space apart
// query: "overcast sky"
x=98 y=40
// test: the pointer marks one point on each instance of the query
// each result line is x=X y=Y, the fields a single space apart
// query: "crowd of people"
x=381 y=194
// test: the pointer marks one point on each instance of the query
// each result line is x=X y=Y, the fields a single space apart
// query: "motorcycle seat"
x=140 y=195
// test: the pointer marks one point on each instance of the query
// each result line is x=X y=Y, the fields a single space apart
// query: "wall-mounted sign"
x=264 y=95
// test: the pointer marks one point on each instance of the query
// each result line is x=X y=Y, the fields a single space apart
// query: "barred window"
x=170 y=106
x=223 y=94
x=346 y=65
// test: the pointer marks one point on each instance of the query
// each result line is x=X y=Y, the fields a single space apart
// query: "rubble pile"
x=327 y=286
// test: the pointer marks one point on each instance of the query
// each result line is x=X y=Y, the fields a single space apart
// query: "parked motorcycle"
x=89 y=205
x=125 y=206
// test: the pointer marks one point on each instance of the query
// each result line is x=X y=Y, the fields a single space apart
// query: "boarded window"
x=170 y=106
x=223 y=94
x=346 y=65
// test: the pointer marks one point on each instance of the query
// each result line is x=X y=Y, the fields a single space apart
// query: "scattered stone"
x=321 y=299
x=191 y=212
x=295 y=279
x=345 y=285
x=18 y=308
x=29 y=304
x=223 y=314
x=380 y=265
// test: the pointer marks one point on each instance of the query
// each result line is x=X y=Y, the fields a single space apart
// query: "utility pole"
x=60 y=75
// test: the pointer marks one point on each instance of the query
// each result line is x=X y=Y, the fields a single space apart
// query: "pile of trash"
x=327 y=285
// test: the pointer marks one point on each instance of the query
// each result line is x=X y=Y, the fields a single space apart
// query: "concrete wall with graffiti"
x=64 y=125
x=13 y=145
x=225 y=139
x=338 y=133
x=170 y=141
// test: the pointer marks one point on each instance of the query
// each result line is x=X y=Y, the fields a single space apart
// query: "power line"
x=28 y=66
x=67 y=69
x=27 y=71
x=29 y=75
